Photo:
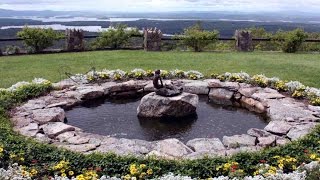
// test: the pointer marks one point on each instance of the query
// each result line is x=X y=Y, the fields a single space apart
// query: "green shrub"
x=290 y=41
x=10 y=50
x=38 y=39
x=196 y=38
x=114 y=38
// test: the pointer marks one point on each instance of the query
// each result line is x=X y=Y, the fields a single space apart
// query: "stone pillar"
x=244 y=41
x=152 y=39
x=74 y=40
x=1 y=52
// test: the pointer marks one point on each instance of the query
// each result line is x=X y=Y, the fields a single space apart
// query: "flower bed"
x=40 y=160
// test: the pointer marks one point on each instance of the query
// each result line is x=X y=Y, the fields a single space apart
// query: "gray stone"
x=205 y=154
x=64 y=136
x=90 y=92
x=214 y=83
x=59 y=104
x=54 y=129
x=125 y=147
x=128 y=86
x=21 y=121
x=278 y=127
x=156 y=106
x=253 y=105
x=221 y=96
x=280 y=141
x=33 y=105
x=263 y=96
x=76 y=140
x=43 y=138
x=30 y=131
x=248 y=92
x=64 y=84
x=258 y=132
x=239 y=141
x=107 y=86
x=268 y=141
x=232 y=86
x=82 y=148
x=300 y=130
x=315 y=109
x=281 y=109
x=171 y=148
x=43 y=116
x=205 y=144
x=196 y=87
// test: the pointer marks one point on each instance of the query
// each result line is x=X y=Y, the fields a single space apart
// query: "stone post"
x=1 y=52
x=152 y=39
x=74 y=40
x=244 y=41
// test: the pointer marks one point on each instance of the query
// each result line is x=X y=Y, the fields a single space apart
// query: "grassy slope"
x=302 y=67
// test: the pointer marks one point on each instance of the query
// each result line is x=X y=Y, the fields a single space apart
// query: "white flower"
x=294 y=85
x=40 y=81
x=139 y=71
x=198 y=74
x=18 y=85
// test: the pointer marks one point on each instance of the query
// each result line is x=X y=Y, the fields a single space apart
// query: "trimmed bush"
x=38 y=39
x=290 y=41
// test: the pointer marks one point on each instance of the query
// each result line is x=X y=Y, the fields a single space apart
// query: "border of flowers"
x=285 y=159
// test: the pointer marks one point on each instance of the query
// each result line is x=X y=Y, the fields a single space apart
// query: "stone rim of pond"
x=42 y=118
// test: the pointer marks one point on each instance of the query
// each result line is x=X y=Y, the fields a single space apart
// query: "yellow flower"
x=313 y=156
x=33 y=172
x=280 y=166
x=12 y=156
x=21 y=159
x=63 y=175
x=127 y=177
x=149 y=171
x=142 y=166
x=71 y=173
x=24 y=173
x=62 y=170
x=1 y=149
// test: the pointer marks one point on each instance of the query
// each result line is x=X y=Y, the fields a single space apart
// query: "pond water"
x=118 y=118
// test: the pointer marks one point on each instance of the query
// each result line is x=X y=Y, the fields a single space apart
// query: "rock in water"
x=155 y=106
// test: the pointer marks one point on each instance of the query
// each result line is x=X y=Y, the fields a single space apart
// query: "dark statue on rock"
x=167 y=90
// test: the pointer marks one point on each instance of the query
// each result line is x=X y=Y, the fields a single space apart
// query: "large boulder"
x=170 y=149
x=221 y=96
x=239 y=141
x=156 y=106
x=43 y=116
x=196 y=87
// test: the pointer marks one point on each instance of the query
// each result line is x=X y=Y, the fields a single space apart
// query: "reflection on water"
x=119 y=118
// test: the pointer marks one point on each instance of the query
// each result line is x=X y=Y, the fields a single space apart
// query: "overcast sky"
x=163 y=5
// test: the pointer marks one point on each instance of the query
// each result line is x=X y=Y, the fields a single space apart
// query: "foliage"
x=116 y=37
x=10 y=50
x=197 y=38
x=22 y=91
x=38 y=39
x=290 y=41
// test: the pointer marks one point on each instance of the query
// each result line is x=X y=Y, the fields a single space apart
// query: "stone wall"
x=152 y=39
x=42 y=118
x=74 y=40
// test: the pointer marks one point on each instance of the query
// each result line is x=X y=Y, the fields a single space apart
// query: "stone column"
x=152 y=39
x=74 y=40
x=244 y=41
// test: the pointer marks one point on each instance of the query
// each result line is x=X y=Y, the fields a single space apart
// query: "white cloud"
x=162 y=5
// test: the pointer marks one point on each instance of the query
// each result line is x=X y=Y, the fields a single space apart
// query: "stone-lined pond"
x=118 y=118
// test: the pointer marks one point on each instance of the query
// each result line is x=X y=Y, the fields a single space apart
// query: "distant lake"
x=119 y=19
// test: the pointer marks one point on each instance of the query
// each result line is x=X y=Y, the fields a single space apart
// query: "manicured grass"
x=301 y=67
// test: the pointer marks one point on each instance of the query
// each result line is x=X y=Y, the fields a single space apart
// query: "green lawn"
x=301 y=67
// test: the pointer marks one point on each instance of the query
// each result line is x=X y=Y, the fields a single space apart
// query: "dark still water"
x=118 y=118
